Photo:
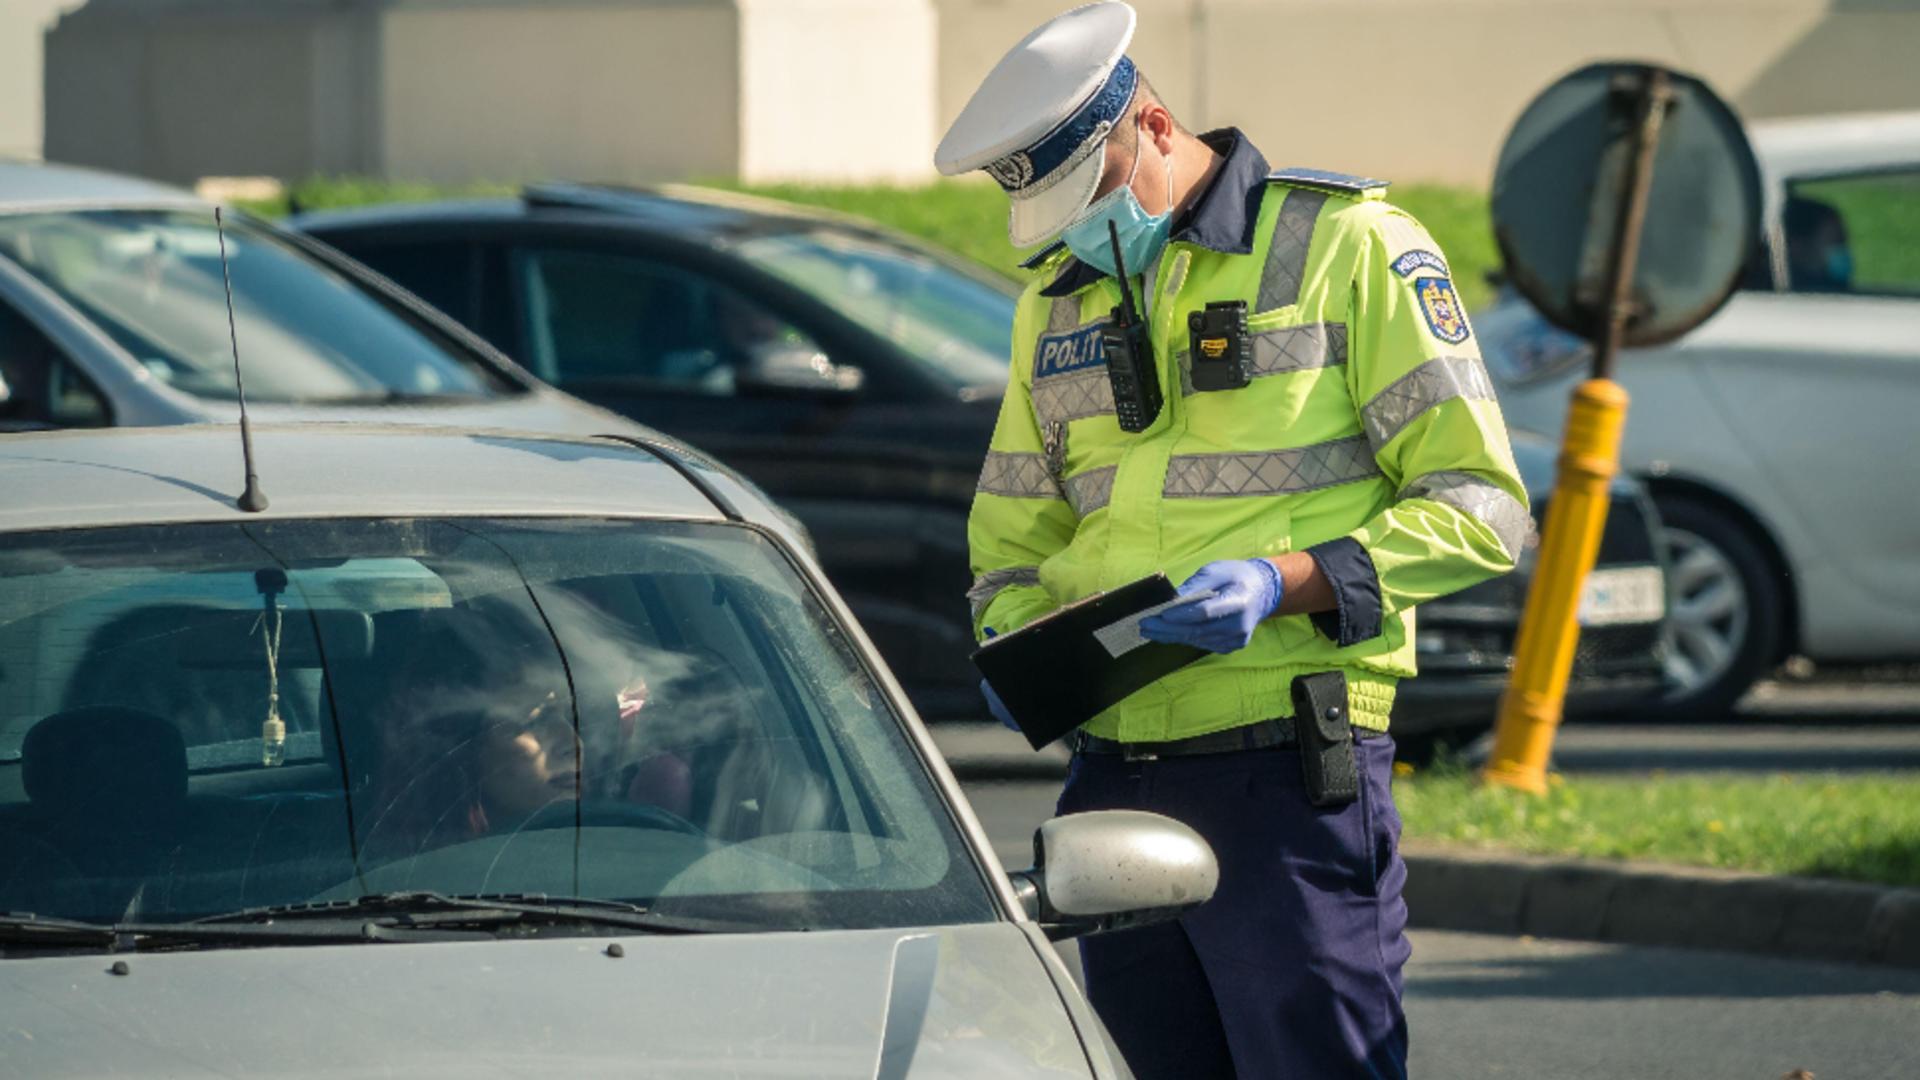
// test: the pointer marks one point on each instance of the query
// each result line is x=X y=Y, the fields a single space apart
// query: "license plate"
x=1623 y=594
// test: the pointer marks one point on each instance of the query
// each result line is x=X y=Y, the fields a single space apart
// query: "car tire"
x=1726 y=616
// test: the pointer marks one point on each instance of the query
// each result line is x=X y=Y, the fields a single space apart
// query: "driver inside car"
x=469 y=773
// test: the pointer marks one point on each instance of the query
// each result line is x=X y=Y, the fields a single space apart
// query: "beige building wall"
x=22 y=22
x=509 y=90
x=632 y=91
x=641 y=90
x=838 y=90
x=1427 y=89
x=177 y=92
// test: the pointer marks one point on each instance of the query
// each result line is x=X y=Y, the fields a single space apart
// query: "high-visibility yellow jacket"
x=1368 y=436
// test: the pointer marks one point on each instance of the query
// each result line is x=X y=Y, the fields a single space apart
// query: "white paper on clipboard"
x=1123 y=635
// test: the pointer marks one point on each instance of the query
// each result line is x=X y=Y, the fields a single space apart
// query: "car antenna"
x=252 y=499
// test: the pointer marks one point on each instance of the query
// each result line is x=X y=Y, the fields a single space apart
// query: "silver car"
x=488 y=754
x=112 y=312
x=1771 y=436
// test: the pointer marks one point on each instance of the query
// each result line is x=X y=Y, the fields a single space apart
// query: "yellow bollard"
x=1576 y=517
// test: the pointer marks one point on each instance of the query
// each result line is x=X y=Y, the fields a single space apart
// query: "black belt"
x=1261 y=735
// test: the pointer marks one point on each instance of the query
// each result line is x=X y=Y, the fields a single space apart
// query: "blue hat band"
x=1031 y=167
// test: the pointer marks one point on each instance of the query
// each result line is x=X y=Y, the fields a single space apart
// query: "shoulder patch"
x=1345 y=183
x=1419 y=259
x=1039 y=258
x=1440 y=305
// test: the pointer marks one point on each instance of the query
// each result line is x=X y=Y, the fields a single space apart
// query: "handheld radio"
x=1129 y=354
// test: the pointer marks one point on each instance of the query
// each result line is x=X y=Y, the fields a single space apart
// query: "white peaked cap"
x=1039 y=120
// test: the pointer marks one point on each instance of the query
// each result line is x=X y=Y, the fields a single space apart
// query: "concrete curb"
x=1643 y=904
x=1450 y=888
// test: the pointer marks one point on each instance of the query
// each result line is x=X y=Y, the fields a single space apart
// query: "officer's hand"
x=1245 y=592
x=997 y=707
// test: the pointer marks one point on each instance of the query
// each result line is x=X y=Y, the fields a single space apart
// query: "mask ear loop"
x=1169 y=160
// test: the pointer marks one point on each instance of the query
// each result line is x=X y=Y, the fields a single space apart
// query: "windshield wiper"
x=41 y=930
x=422 y=908
x=26 y=928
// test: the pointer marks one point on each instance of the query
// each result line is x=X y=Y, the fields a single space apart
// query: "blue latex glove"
x=1245 y=592
x=994 y=705
x=997 y=707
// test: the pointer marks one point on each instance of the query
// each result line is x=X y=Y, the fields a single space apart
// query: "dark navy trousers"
x=1293 y=969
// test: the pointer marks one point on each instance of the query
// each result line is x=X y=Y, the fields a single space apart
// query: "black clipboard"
x=1055 y=674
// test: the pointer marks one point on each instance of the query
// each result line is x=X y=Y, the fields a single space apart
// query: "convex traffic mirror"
x=1559 y=200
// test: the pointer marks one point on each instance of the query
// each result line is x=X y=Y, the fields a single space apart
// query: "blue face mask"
x=1840 y=266
x=1142 y=235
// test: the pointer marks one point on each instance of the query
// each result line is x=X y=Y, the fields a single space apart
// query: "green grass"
x=964 y=216
x=337 y=192
x=1883 y=228
x=1859 y=827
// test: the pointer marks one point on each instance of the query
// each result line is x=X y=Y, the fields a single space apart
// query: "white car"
x=113 y=313
x=1778 y=438
x=480 y=754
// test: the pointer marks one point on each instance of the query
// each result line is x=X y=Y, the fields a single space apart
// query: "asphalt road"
x=1481 y=1006
x=1840 y=723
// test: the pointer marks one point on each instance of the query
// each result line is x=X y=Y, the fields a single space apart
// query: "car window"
x=598 y=319
x=200 y=718
x=152 y=281
x=952 y=323
x=1854 y=234
x=38 y=385
x=441 y=273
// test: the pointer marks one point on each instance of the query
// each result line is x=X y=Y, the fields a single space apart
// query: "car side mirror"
x=789 y=369
x=1114 y=869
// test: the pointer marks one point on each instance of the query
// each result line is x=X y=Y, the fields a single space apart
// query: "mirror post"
x=1531 y=707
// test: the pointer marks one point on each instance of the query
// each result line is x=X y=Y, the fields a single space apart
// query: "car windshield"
x=655 y=713
x=957 y=325
x=151 y=281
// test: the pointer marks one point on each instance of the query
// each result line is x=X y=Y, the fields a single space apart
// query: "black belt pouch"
x=1326 y=738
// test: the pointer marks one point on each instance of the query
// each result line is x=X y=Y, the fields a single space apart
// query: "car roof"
x=132 y=476
x=681 y=210
x=31 y=185
x=1837 y=145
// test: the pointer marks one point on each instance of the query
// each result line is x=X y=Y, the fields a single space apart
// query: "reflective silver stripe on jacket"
x=1443 y=378
x=1019 y=476
x=1090 y=490
x=1480 y=499
x=989 y=585
x=1073 y=396
x=1273 y=472
x=1279 y=351
x=1063 y=315
x=1287 y=255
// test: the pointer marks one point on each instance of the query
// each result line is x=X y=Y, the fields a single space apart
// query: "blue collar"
x=1222 y=219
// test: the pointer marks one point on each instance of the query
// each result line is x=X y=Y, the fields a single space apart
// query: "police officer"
x=1323 y=453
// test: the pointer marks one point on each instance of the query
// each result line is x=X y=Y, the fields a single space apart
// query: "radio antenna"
x=252 y=499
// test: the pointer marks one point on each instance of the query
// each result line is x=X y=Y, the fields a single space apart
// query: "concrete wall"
x=455 y=90
x=22 y=22
x=837 y=89
x=588 y=91
x=179 y=93
x=860 y=89
x=1425 y=90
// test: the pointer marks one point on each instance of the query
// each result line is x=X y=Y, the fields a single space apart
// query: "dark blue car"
x=855 y=375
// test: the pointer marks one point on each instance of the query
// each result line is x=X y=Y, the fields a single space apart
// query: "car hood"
x=956 y=1001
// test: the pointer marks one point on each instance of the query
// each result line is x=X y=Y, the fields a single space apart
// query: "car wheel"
x=1724 y=622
